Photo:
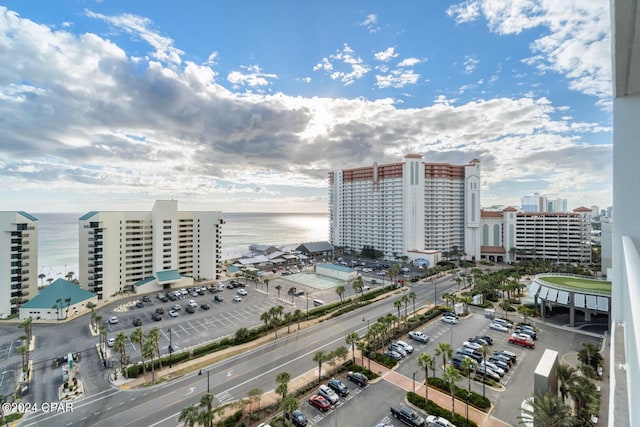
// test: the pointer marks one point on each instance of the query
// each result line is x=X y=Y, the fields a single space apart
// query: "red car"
x=320 y=403
x=521 y=341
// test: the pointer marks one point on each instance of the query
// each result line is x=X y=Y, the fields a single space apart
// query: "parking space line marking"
x=194 y=328
x=185 y=331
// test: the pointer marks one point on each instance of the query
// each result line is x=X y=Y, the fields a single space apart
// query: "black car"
x=298 y=419
x=487 y=338
x=139 y=304
x=137 y=321
x=146 y=298
x=163 y=298
x=218 y=298
x=159 y=310
x=358 y=378
x=205 y=306
x=229 y=286
x=190 y=309
x=338 y=386
x=172 y=297
x=200 y=291
x=156 y=317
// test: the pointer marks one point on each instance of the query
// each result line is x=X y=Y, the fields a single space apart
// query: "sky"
x=245 y=106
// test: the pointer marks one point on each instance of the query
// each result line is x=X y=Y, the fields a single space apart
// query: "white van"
x=318 y=302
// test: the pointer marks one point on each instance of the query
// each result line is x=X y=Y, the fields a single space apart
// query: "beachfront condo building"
x=156 y=249
x=18 y=260
x=563 y=237
x=408 y=208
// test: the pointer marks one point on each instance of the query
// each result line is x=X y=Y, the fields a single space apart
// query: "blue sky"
x=247 y=105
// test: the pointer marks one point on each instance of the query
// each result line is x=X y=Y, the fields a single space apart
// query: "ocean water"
x=58 y=235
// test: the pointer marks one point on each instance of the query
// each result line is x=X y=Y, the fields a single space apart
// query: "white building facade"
x=18 y=260
x=406 y=207
x=119 y=249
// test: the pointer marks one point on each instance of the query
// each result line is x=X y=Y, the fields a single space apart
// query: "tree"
x=120 y=346
x=147 y=352
x=566 y=377
x=548 y=411
x=283 y=378
x=154 y=336
x=357 y=285
x=467 y=367
x=351 y=339
x=28 y=333
x=68 y=302
x=413 y=297
x=292 y=291
x=289 y=405
x=426 y=362
x=320 y=357
x=445 y=351
x=405 y=300
x=69 y=276
x=205 y=416
x=288 y=319
x=137 y=336
x=266 y=283
x=189 y=415
x=266 y=318
x=398 y=304
x=278 y=288
x=452 y=375
x=41 y=276
x=91 y=307
x=298 y=315
x=585 y=399
x=362 y=346
x=340 y=290
x=255 y=395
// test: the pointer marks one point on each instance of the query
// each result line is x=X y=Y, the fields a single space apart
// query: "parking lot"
x=191 y=329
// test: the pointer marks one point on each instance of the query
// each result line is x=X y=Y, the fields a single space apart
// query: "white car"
x=111 y=342
x=237 y=298
x=192 y=303
x=419 y=336
x=113 y=320
x=503 y=322
x=472 y=345
x=498 y=327
x=449 y=319
x=173 y=313
x=495 y=368
x=242 y=292
x=432 y=420
x=407 y=347
x=328 y=394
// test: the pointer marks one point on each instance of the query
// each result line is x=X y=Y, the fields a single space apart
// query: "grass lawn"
x=581 y=284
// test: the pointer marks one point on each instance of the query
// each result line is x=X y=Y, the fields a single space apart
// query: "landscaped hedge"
x=475 y=399
x=433 y=409
x=383 y=359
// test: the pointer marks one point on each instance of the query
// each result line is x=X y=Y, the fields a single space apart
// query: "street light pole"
x=414 y=383
x=170 y=350
x=200 y=373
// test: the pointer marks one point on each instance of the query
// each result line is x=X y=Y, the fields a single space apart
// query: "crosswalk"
x=224 y=397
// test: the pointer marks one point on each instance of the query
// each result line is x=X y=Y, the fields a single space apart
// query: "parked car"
x=192 y=303
x=156 y=317
x=137 y=321
x=111 y=342
x=407 y=416
x=159 y=310
x=494 y=367
x=320 y=403
x=393 y=354
x=358 y=378
x=433 y=421
x=500 y=358
x=503 y=322
x=338 y=386
x=500 y=363
x=328 y=393
x=407 y=347
x=218 y=298
x=176 y=307
x=139 y=304
x=528 y=332
x=449 y=313
x=297 y=418
x=487 y=338
x=398 y=349
x=237 y=298
x=449 y=319
x=482 y=371
x=173 y=313
x=498 y=327
x=472 y=345
x=419 y=336
x=146 y=298
x=163 y=298
x=521 y=341
x=242 y=292
x=113 y=320
x=205 y=306
x=478 y=340
x=468 y=352
x=190 y=309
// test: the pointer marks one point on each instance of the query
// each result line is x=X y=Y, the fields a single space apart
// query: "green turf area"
x=582 y=284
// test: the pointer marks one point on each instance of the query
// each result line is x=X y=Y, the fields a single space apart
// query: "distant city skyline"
x=247 y=106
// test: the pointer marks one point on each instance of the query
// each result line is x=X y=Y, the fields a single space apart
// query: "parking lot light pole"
x=414 y=383
x=200 y=373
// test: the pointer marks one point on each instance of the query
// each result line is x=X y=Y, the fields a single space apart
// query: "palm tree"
x=485 y=351
x=283 y=378
x=340 y=290
x=289 y=405
x=137 y=336
x=566 y=377
x=148 y=351
x=68 y=301
x=154 y=336
x=278 y=288
x=426 y=362
x=120 y=346
x=206 y=415
x=255 y=394
x=266 y=318
x=288 y=319
x=452 y=375
x=298 y=315
x=405 y=301
x=357 y=285
x=103 y=338
x=444 y=349
x=397 y=304
x=548 y=411
x=351 y=339
x=413 y=297
x=189 y=415
x=320 y=357
x=266 y=282
x=585 y=398
x=468 y=367
x=362 y=346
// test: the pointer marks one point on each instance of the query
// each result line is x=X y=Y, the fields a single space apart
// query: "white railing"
x=631 y=317
x=540 y=279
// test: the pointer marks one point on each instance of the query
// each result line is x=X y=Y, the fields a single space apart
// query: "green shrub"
x=432 y=409
x=384 y=360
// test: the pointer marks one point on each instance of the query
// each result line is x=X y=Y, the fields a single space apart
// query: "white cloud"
x=386 y=55
x=409 y=62
x=470 y=63
x=576 y=42
x=371 y=22
x=252 y=77
x=397 y=79
x=354 y=69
